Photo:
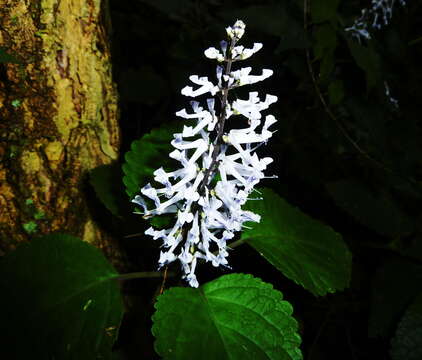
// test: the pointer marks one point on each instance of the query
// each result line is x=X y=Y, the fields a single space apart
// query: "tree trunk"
x=58 y=116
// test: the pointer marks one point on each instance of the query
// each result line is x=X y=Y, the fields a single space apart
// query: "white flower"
x=242 y=76
x=252 y=107
x=208 y=212
x=240 y=53
x=376 y=16
x=213 y=53
x=206 y=86
x=392 y=100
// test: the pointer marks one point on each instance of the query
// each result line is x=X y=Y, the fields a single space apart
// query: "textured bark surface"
x=58 y=117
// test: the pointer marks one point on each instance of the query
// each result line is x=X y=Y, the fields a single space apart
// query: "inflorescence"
x=219 y=168
x=379 y=14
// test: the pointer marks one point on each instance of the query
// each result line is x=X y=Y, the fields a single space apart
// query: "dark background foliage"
x=353 y=163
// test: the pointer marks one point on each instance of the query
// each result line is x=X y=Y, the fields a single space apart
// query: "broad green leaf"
x=377 y=211
x=303 y=249
x=324 y=10
x=58 y=301
x=407 y=344
x=145 y=156
x=108 y=187
x=235 y=316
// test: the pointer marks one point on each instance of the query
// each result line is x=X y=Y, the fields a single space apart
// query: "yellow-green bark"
x=58 y=116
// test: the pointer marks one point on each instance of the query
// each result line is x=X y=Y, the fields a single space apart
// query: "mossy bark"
x=58 y=117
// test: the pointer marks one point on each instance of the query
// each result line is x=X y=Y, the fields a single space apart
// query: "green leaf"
x=58 y=301
x=407 y=344
x=145 y=156
x=303 y=249
x=162 y=222
x=324 y=10
x=375 y=210
x=106 y=181
x=235 y=316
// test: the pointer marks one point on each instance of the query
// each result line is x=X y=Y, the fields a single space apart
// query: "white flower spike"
x=219 y=167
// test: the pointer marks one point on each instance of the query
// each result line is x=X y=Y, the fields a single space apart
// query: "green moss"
x=16 y=103
x=39 y=214
x=30 y=227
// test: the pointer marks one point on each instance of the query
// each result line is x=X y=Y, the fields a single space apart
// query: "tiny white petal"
x=213 y=53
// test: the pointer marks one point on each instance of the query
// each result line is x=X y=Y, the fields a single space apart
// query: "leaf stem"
x=236 y=243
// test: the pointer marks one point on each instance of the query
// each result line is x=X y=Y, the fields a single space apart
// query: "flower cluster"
x=219 y=168
x=375 y=17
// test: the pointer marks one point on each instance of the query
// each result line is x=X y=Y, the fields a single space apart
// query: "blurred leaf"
x=325 y=45
x=368 y=60
x=106 y=181
x=145 y=156
x=118 y=355
x=395 y=284
x=407 y=343
x=58 y=301
x=325 y=40
x=370 y=126
x=162 y=222
x=377 y=211
x=303 y=249
x=7 y=58
x=394 y=46
x=323 y=10
x=412 y=248
x=235 y=316
x=336 y=92
x=297 y=64
x=144 y=85
x=326 y=67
